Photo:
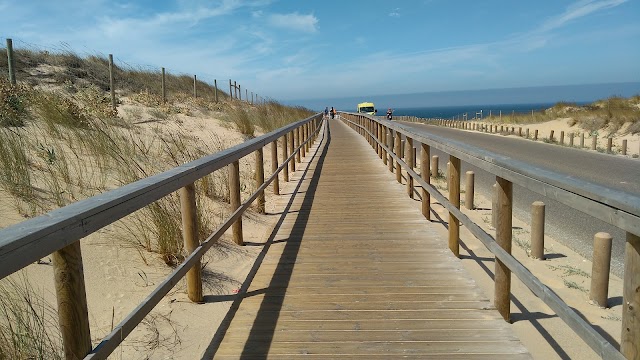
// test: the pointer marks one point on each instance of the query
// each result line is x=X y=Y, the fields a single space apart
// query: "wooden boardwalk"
x=355 y=271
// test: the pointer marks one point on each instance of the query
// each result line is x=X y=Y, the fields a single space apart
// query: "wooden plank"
x=347 y=278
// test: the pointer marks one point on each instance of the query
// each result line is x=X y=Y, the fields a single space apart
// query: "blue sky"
x=330 y=49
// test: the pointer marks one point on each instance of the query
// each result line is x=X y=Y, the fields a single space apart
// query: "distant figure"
x=326 y=111
x=389 y=114
x=333 y=112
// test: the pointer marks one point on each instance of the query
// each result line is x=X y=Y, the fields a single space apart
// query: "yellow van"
x=367 y=108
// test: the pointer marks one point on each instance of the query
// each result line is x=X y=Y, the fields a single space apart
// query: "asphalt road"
x=571 y=227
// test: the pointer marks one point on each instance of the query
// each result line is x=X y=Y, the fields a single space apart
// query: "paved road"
x=573 y=228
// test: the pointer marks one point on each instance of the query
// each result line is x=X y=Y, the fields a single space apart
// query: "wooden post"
x=411 y=162
x=469 y=190
x=561 y=137
x=551 y=136
x=581 y=140
x=454 y=198
x=391 y=147
x=191 y=241
x=73 y=315
x=246 y=95
x=292 y=163
x=215 y=90
x=234 y=196
x=624 y=147
x=230 y=90
x=571 y=135
x=630 y=339
x=594 y=142
x=434 y=166
x=297 y=143
x=425 y=154
x=535 y=135
x=609 y=144
x=385 y=141
x=164 y=89
x=239 y=92
x=398 y=143
x=537 y=230
x=111 y=83
x=600 y=268
x=195 y=88
x=503 y=238
x=235 y=89
x=259 y=178
x=285 y=155
x=11 y=62
x=303 y=149
x=252 y=98
x=274 y=167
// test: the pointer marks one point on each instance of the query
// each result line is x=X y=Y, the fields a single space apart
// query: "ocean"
x=472 y=111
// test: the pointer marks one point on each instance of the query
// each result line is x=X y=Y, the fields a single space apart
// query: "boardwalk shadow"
x=261 y=334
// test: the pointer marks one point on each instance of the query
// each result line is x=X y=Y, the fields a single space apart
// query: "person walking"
x=326 y=112
x=333 y=112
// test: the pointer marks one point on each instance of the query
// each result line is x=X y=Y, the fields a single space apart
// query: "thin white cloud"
x=577 y=10
x=395 y=12
x=295 y=21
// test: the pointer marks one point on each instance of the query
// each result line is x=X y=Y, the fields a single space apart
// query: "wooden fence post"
x=600 y=268
x=191 y=241
x=594 y=142
x=385 y=141
x=469 y=190
x=571 y=135
x=274 y=167
x=630 y=339
x=390 y=139
x=230 y=90
x=195 y=88
x=561 y=137
x=285 y=155
x=624 y=147
x=292 y=163
x=581 y=140
x=504 y=239
x=259 y=178
x=235 y=89
x=11 y=62
x=609 y=144
x=411 y=162
x=398 y=143
x=164 y=89
x=454 y=198
x=425 y=154
x=73 y=315
x=303 y=148
x=234 y=196
x=111 y=83
x=434 y=166
x=537 y=230
x=215 y=90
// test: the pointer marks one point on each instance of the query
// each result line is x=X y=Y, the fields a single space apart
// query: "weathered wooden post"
x=551 y=136
x=391 y=147
x=630 y=339
x=581 y=140
x=164 y=89
x=111 y=83
x=274 y=167
x=535 y=135
x=303 y=148
x=504 y=239
x=215 y=90
x=234 y=197
x=469 y=190
x=285 y=155
x=230 y=90
x=609 y=144
x=398 y=152
x=594 y=142
x=11 y=62
x=73 y=315
x=600 y=268
x=454 y=198
x=259 y=178
x=434 y=166
x=292 y=147
x=537 y=230
x=425 y=153
x=195 y=87
x=385 y=140
x=571 y=135
x=191 y=241
x=561 y=137
x=411 y=162
x=624 y=147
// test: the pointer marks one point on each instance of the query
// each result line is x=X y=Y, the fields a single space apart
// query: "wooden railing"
x=616 y=208
x=59 y=231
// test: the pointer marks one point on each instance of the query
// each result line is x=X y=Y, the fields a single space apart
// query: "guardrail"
x=617 y=208
x=59 y=231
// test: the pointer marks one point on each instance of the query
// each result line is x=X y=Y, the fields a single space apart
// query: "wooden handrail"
x=489 y=163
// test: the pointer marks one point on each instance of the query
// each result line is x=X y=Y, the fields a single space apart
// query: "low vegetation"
x=61 y=141
x=612 y=113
